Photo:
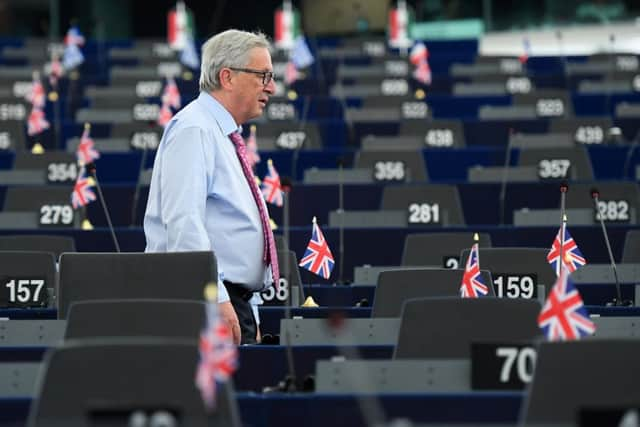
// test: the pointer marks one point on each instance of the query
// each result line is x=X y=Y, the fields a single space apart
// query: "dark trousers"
x=239 y=297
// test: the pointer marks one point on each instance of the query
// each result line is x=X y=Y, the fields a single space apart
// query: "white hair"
x=227 y=49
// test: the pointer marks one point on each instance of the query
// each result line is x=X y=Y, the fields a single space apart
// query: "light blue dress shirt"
x=199 y=198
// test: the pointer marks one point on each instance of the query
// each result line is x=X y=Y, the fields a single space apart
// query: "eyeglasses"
x=267 y=76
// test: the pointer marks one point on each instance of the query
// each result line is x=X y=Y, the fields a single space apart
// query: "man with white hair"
x=203 y=195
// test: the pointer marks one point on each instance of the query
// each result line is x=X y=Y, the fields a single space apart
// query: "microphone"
x=91 y=170
x=505 y=176
x=563 y=57
x=289 y=383
x=136 y=193
x=564 y=188
x=595 y=195
x=286 y=185
x=340 y=162
x=627 y=160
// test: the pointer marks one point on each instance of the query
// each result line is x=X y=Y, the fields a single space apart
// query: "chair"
x=394 y=287
x=288 y=135
x=621 y=199
x=99 y=276
x=112 y=381
x=631 y=251
x=444 y=328
x=31 y=199
x=439 y=249
x=281 y=243
x=393 y=165
x=38 y=242
x=506 y=262
x=135 y=318
x=12 y=136
x=547 y=103
x=570 y=163
x=290 y=273
x=15 y=265
x=425 y=205
x=435 y=133
x=559 y=395
x=584 y=130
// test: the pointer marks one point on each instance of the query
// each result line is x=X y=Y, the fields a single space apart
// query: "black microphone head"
x=595 y=193
x=564 y=187
x=339 y=161
x=286 y=183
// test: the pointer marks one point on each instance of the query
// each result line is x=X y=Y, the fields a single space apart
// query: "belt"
x=238 y=289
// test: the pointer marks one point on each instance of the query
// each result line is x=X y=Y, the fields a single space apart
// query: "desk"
x=322 y=410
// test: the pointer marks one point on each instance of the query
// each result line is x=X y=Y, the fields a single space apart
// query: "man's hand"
x=228 y=316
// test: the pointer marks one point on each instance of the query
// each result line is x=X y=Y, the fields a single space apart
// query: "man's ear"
x=225 y=77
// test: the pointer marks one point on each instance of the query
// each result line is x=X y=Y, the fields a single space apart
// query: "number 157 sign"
x=23 y=292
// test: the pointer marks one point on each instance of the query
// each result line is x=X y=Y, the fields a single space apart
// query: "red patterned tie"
x=270 y=254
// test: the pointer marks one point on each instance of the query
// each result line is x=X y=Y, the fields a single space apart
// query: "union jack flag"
x=573 y=258
x=165 y=115
x=564 y=316
x=271 y=188
x=72 y=55
x=36 y=94
x=82 y=193
x=318 y=258
x=36 y=123
x=171 y=94
x=252 y=147
x=472 y=285
x=74 y=37
x=86 y=151
x=419 y=57
x=218 y=356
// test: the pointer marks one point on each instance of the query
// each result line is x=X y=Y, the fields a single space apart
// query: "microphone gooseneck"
x=595 y=195
x=91 y=170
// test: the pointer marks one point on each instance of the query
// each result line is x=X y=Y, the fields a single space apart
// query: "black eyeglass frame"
x=267 y=76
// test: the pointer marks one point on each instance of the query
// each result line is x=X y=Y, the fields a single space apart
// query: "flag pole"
x=563 y=225
x=341 y=215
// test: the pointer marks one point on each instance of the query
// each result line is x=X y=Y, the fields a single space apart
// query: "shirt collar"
x=224 y=118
